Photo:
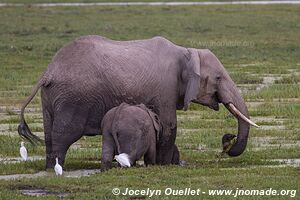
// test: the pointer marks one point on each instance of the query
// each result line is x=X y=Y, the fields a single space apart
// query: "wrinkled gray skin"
x=92 y=74
x=128 y=129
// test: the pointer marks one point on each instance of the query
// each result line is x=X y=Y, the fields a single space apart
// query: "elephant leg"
x=166 y=145
x=176 y=157
x=48 y=121
x=61 y=141
x=67 y=128
x=108 y=151
x=150 y=155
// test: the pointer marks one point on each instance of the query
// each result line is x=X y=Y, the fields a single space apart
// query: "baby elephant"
x=129 y=132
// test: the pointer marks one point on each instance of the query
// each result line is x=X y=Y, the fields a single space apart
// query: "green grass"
x=252 y=42
x=293 y=79
x=99 y=186
x=92 y=1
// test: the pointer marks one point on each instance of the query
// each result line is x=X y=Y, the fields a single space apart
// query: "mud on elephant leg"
x=176 y=156
x=50 y=162
x=60 y=145
x=58 y=153
x=166 y=147
x=48 y=123
x=59 y=148
x=62 y=136
x=48 y=142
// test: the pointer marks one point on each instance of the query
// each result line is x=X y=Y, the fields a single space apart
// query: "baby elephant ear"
x=155 y=121
x=156 y=124
x=192 y=77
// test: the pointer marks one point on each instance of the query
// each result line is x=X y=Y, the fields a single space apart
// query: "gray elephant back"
x=98 y=74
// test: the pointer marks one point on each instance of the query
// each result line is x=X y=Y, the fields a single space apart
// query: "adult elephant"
x=93 y=74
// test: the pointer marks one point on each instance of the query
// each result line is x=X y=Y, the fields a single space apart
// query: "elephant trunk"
x=235 y=103
x=243 y=128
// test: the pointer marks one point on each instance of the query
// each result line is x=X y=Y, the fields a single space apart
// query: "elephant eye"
x=218 y=78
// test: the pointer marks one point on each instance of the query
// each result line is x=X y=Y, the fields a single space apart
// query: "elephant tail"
x=23 y=128
x=122 y=158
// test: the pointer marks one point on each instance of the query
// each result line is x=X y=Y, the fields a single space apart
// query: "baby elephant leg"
x=150 y=155
x=108 y=152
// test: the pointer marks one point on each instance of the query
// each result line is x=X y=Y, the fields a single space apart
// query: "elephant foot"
x=106 y=166
x=50 y=159
x=168 y=157
x=176 y=156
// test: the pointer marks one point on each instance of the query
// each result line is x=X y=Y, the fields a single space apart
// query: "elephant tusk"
x=237 y=112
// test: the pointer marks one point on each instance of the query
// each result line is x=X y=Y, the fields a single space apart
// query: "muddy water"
x=272 y=127
x=11 y=160
x=289 y=162
x=19 y=176
x=254 y=104
x=263 y=143
x=42 y=192
x=67 y=174
x=17 y=110
x=269 y=119
x=81 y=173
x=267 y=81
x=282 y=163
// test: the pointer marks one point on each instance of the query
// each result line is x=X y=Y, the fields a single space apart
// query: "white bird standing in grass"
x=23 y=152
x=123 y=159
x=57 y=168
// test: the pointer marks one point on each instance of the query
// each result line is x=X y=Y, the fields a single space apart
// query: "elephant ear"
x=192 y=77
x=155 y=120
x=156 y=124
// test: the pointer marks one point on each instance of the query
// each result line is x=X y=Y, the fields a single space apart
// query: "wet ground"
x=9 y=120
x=67 y=174
x=89 y=172
x=38 y=192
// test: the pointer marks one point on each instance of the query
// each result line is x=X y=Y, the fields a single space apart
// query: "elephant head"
x=208 y=83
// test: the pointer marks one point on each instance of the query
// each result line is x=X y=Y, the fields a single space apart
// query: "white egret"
x=57 y=168
x=123 y=159
x=23 y=151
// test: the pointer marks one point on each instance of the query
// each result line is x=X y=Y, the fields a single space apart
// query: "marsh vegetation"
x=266 y=69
